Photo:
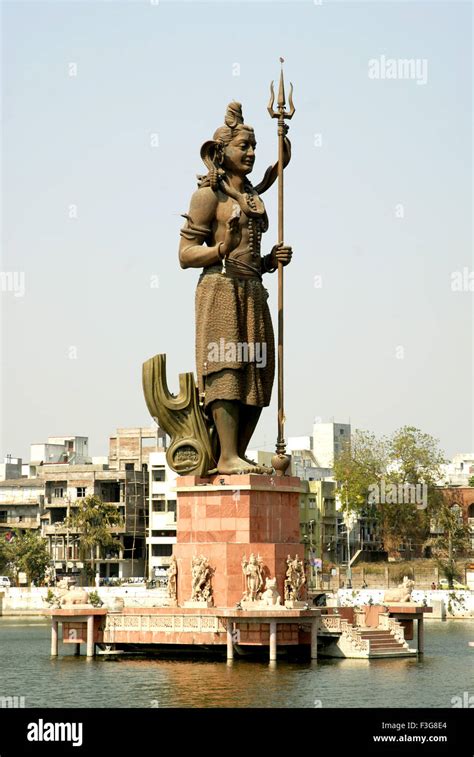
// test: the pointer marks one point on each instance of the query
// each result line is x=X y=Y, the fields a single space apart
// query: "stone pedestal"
x=227 y=517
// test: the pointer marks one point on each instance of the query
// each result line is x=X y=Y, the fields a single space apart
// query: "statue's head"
x=232 y=147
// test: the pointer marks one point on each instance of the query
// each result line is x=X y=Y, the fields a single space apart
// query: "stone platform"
x=226 y=518
x=229 y=629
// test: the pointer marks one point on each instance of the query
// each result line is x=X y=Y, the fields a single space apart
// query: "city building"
x=458 y=471
x=21 y=505
x=161 y=526
x=11 y=468
x=328 y=441
x=318 y=525
x=325 y=443
x=59 y=449
x=65 y=486
x=130 y=448
x=304 y=465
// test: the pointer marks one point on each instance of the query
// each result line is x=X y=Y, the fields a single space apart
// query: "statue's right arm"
x=193 y=253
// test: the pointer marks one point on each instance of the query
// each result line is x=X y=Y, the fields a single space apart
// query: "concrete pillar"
x=90 y=636
x=230 y=640
x=314 y=639
x=54 y=638
x=420 y=645
x=273 y=640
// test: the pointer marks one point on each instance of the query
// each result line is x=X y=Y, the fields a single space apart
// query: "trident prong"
x=292 y=107
x=281 y=112
x=270 y=104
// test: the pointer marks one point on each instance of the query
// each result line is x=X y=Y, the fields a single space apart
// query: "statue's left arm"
x=271 y=174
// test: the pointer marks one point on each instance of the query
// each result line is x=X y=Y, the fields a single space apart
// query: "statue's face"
x=239 y=154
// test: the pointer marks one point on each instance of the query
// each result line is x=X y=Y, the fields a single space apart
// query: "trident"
x=280 y=459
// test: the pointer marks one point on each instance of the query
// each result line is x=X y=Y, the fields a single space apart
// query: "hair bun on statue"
x=233 y=115
x=233 y=122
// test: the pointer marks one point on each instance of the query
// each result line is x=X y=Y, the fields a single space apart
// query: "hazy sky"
x=378 y=206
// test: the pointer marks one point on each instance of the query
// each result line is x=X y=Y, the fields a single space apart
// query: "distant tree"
x=360 y=464
x=28 y=553
x=5 y=554
x=409 y=456
x=415 y=460
x=453 y=539
x=95 y=520
x=416 y=456
x=471 y=481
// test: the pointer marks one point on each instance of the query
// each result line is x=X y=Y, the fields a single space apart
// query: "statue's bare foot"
x=262 y=468
x=234 y=465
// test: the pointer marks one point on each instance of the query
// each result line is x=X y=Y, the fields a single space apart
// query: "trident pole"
x=280 y=459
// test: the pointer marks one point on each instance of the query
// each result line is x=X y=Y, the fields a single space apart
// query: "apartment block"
x=161 y=531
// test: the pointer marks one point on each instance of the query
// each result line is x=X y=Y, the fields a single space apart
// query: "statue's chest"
x=251 y=208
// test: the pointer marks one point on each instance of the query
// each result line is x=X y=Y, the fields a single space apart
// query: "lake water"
x=26 y=669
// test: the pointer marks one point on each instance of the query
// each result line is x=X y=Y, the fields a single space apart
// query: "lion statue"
x=75 y=596
x=270 y=596
x=402 y=593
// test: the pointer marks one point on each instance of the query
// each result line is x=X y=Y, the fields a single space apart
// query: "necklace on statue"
x=254 y=226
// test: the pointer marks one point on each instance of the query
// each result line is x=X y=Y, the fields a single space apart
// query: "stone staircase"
x=387 y=640
x=383 y=643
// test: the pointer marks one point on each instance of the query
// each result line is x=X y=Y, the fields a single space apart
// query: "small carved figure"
x=75 y=596
x=253 y=572
x=402 y=593
x=270 y=596
x=201 y=579
x=172 y=578
x=295 y=578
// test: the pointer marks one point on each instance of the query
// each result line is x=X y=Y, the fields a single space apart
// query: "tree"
x=416 y=456
x=5 y=554
x=471 y=481
x=95 y=520
x=404 y=464
x=28 y=553
x=360 y=464
x=415 y=467
x=453 y=536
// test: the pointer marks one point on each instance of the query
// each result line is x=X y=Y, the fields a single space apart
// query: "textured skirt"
x=235 y=351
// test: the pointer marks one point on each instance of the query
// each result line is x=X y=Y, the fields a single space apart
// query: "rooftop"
x=22 y=483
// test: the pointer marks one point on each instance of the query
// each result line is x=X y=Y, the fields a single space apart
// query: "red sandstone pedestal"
x=226 y=518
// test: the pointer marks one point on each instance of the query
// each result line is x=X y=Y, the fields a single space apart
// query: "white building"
x=11 y=468
x=459 y=470
x=304 y=465
x=328 y=440
x=325 y=443
x=298 y=443
x=59 y=449
x=161 y=532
